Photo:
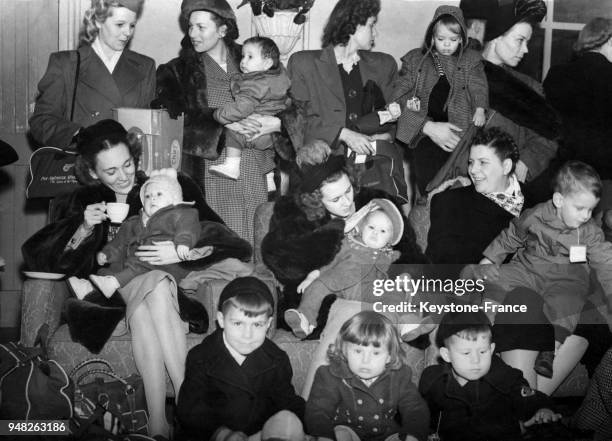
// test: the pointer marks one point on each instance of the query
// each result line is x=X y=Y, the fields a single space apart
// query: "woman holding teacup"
x=79 y=228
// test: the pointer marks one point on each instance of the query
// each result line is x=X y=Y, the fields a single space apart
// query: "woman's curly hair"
x=501 y=142
x=344 y=19
x=100 y=10
x=90 y=146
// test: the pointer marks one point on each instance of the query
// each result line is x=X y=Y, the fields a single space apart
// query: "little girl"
x=365 y=256
x=366 y=392
x=442 y=89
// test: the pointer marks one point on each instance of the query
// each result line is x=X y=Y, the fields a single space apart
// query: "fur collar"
x=514 y=98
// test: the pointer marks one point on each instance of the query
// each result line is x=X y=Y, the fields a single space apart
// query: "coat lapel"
x=328 y=71
x=95 y=75
x=127 y=73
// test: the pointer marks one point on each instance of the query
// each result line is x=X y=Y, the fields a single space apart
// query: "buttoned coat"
x=132 y=84
x=339 y=397
x=317 y=86
x=217 y=391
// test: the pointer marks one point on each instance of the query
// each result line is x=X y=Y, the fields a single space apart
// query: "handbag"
x=32 y=386
x=382 y=171
x=52 y=168
x=117 y=406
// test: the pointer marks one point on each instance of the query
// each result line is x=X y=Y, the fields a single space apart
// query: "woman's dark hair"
x=500 y=141
x=311 y=203
x=103 y=135
x=344 y=19
x=232 y=28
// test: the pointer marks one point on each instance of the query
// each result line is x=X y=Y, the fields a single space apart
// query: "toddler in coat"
x=261 y=88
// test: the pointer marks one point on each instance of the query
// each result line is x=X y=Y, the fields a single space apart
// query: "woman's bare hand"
x=442 y=134
x=160 y=253
x=357 y=142
x=94 y=214
x=256 y=125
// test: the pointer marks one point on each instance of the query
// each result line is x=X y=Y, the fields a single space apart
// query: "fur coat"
x=93 y=321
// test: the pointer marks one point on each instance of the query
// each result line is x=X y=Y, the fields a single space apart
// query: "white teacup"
x=117 y=211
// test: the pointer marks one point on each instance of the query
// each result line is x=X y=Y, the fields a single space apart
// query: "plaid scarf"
x=511 y=200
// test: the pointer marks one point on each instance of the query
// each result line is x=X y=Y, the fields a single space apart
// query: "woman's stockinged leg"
x=566 y=358
x=150 y=364
x=170 y=333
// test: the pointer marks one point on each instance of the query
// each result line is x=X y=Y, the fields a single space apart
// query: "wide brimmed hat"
x=501 y=15
x=219 y=7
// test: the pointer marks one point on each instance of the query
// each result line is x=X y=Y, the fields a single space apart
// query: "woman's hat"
x=219 y=7
x=132 y=5
x=501 y=15
x=314 y=175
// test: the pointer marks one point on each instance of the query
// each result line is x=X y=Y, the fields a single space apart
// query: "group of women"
x=327 y=86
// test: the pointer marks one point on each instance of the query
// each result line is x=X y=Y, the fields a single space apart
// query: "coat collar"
x=340 y=369
x=225 y=368
x=115 y=86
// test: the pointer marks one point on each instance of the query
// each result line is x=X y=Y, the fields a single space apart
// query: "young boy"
x=164 y=216
x=473 y=395
x=261 y=88
x=555 y=244
x=236 y=380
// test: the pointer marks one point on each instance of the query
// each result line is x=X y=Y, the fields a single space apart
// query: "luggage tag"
x=414 y=104
x=578 y=253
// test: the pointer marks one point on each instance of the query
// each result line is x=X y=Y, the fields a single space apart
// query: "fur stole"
x=511 y=95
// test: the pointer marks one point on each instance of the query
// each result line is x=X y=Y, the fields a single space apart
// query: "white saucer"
x=47 y=276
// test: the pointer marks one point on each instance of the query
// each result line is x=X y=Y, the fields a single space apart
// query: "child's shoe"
x=229 y=169
x=298 y=323
x=106 y=284
x=411 y=331
x=79 y=287
x=544 y=363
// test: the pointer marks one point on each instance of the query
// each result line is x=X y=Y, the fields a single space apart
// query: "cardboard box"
x=160 y=135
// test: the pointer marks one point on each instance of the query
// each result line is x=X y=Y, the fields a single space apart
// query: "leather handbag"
x=52 y=168
x=109 y=402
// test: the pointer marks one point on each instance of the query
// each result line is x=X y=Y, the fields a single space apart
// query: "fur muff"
x=511 y=95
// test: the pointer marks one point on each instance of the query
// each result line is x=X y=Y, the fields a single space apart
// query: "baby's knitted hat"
x=167 y=178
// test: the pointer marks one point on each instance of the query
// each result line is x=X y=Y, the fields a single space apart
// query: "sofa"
x=42 y=303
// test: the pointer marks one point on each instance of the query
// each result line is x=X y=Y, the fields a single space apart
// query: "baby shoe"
x=230 y=170
x=106 y=284
x=79 y=287
x=298 y=323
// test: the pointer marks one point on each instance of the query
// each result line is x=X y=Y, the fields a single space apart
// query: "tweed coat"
x=132 y=84
x=316 y=85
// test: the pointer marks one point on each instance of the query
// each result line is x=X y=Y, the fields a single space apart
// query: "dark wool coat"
x=217 y=391
x=581 y=91
x=132 y=84
x=390 y=405
x=522 y=111
x=177 y=223
x=44 y=251
x=418 y=76
x=463 y=223
x=316 y=86
x=483 y=410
